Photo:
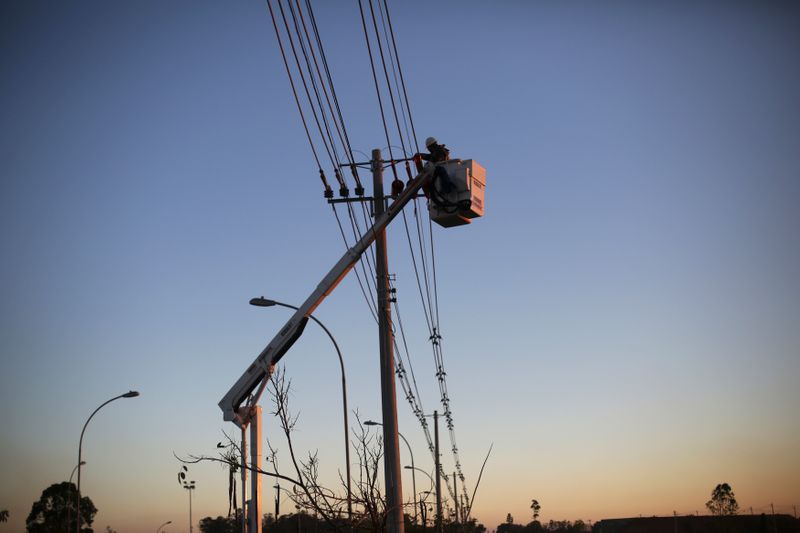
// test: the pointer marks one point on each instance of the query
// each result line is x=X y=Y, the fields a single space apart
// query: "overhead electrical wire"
x=375 y=79
x=325 y=133
x=342 y=134
x=297 y=101
x=435 y=335
x=403 y=108
x=305 y=85
x=427 y=282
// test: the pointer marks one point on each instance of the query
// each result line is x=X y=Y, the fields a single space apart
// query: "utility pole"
x=254 y=509
x=438 y=473
x=455 y=500
x=774 y=524
x=244 y=478
x=391 y=459
x=277 y=501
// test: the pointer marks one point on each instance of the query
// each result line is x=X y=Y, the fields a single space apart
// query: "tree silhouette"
x=4 y=515
x=536 y=508
x=49 y=513
x=723 y=501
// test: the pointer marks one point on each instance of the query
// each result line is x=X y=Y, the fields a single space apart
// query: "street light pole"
x=129 y=394
x=190 y=487
x=162 y=525
x=69 y=507
x=413 y=469
x=264 y=302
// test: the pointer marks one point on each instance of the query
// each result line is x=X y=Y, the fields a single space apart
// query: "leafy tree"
x=4 y=515
x=220 y=524
x=723 y=501
x=509 y=526
x=535 y=507
x=57 y=502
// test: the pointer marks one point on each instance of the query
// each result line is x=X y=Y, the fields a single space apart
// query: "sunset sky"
x=623 y=325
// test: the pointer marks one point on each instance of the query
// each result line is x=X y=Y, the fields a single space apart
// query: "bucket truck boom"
x=258 y=373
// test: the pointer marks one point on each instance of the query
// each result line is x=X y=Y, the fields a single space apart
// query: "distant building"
x=701 y=524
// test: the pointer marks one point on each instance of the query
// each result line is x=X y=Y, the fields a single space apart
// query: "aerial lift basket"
x=457 y=192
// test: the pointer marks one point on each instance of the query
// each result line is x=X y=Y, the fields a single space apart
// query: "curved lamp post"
x=129 y=394
x=264 y=302
x=413 y=475
x=162 y=525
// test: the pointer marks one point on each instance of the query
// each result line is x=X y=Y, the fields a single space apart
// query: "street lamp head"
x=371 y=423
x=262 y=302
x=131 y=394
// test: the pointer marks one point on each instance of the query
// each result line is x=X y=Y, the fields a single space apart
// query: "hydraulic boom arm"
x=260 y=370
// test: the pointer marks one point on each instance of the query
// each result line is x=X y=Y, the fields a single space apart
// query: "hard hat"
x=431 y=140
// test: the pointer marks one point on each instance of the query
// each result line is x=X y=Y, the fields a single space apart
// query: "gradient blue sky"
x=623 y=325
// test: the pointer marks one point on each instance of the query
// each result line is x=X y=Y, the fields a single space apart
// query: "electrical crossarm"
x=259 y=372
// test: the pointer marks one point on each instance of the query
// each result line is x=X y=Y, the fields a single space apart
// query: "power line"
x=328 y=190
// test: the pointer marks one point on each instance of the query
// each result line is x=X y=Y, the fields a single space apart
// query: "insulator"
x=397 y=187
x=344 y=192
x=359 y=188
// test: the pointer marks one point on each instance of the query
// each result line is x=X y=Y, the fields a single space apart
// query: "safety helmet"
x=430 y=140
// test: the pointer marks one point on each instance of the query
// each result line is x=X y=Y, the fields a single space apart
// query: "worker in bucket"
x=437 y=153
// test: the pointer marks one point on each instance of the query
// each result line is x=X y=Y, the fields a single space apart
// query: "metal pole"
x=244 y=478
x=190 y=487
x=413 y=467
x=69 y=498
x=391 y=460
x=255 y=463
x=413 y=477
x=191 y=522
x=774 y=525
x=261 y=302
x=277 y=501
x=130 y=394
x=438 y=473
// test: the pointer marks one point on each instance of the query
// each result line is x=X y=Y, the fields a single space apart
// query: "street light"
x=129 y=394
x=421 y=505
x=264 y=302
x=190 y=486
x=413 y=475
x=74 y=469
x=162 y=525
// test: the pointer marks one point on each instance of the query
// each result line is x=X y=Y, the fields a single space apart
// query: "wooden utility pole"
x=391 y=443
x=438 y=473
x=455 y=491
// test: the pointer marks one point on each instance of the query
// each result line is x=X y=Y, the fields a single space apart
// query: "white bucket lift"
x=457 y=197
